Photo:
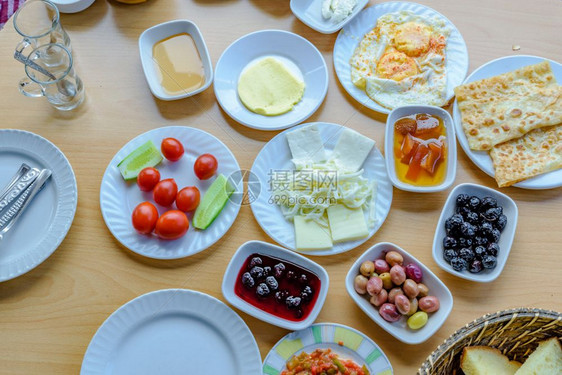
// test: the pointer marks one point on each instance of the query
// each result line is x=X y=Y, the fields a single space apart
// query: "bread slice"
x=545 y=360
x=483 y=360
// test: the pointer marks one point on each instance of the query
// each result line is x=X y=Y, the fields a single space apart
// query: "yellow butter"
x=268 y=88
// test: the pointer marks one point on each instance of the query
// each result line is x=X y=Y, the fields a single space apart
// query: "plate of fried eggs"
x=399 y=53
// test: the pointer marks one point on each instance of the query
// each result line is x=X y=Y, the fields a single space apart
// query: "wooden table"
x=48 y=316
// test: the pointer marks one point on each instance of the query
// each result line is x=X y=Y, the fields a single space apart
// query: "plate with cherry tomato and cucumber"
x=171 y=192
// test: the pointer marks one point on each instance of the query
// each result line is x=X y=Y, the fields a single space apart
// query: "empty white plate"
x=46 y=221
x=297 y=53
x=118 y=198
x=173 y=331
x=352 y=34
x=276 y=155
x=482 y=159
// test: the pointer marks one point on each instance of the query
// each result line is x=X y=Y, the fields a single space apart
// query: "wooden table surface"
x=49 y=315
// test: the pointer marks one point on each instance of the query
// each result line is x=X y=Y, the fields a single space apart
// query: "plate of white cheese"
x=326 y=16
x=324 y=189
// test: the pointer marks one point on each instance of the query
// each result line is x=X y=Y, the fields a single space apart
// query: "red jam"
x=278 y=287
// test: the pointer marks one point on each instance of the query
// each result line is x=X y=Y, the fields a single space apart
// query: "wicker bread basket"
x=515 y=332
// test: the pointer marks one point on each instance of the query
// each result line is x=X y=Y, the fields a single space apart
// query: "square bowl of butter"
x=327 y=16
x=175 y=60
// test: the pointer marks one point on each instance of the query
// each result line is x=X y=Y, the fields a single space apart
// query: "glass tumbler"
x=38 y=22
x=59 y=83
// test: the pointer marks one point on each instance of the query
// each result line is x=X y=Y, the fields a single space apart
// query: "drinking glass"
x=38 y=22
x=64 y=89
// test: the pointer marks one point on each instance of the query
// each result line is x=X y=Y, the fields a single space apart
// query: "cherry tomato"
x=172 y=149
x=165 y=192
x=148 y=178
x=171 y=225
x=205 y=166
x=188 y=199
x=144 y=217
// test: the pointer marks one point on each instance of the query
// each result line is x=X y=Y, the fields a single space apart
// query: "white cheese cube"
x=306 y=145
x=347 y=224
x=351 y=150
x=310 y=235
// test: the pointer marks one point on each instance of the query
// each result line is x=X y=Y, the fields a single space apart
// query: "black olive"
x=474 y=203
x=453 y=224
x=449 y=242
x=472 y=218
x=489 y=261
x=468 y=230
x=459 y=264
x=480 y=241
x=256 y=272
x=492 y=214
x=463 y=211
x=462 y=200
x=486 y=229
x=496 y=234
x=449 y=254
x=248 y=280
x=262 y=290
x=488 y=202
x=493 y=249
x=501 y=222
x=475 y=266
x=464 y=242
x=467 y=254
x=480 y=251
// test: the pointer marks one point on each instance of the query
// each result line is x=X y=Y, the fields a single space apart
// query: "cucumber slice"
x=146 y=155
x=213 y=202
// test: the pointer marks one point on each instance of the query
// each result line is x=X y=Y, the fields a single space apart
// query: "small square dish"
x=150 y=37
x=483 y=236
x=449 y=170
x=275 y=285
x=310 y=13
x=435 y=288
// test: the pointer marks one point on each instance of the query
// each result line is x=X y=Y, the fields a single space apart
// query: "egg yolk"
x=412 y=38
x=396 y=65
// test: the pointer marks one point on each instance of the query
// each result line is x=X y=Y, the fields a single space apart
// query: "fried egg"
x=402 y=60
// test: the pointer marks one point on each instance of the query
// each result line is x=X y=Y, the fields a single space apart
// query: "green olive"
x=417 y=320
x=386 y=280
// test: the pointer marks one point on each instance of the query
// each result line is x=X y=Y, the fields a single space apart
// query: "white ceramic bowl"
x=72 y=6
x=506 y=239
x=451 y=147
x=265 y=248
x=153 y=35
x=310 y=13
x=400 y=328
x=298 y=54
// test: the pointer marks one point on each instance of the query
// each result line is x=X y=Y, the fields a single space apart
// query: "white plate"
x=72 y=6
x=156 y=33
x=310 y=13
x=298 y=54
x=451 y=152
x=44 y=224
x=259 y=247
x=173 y=331
x=119 y=198
x=276 y=155
x=482 y=158
x=356 y=346
x=352 y=34
x=400 y=328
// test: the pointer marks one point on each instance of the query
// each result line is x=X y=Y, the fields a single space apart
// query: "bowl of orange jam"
x=420 y=148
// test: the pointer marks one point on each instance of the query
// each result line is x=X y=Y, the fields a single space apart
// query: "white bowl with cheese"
x=400 y=328
x=310 y=12
x=451 y=150
x=159 y=32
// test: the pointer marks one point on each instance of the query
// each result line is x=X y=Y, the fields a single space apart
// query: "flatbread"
x=497 y=109
x=537 y=152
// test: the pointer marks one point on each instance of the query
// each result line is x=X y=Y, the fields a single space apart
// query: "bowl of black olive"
x=475 y=232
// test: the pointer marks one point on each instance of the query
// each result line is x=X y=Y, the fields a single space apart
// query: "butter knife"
x=9 y=218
